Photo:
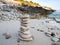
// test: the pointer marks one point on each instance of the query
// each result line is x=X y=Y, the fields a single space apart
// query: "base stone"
x=25 y=37
x=29 y=39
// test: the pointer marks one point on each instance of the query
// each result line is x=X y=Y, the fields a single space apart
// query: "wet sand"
x=39 y=38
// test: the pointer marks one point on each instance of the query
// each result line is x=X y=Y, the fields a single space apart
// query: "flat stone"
x=48 y=34
x=26 y=39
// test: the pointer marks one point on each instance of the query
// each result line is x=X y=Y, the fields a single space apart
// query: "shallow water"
x=55 y=14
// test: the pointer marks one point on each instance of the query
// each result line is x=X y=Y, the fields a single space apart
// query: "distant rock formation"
x=10 y=10
x=35 y=11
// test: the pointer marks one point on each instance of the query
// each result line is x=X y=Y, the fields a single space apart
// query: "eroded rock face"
x=31 y=9
x=34 y=12
x=7 y=12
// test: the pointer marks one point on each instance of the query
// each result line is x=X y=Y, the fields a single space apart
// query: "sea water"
x=55 y=14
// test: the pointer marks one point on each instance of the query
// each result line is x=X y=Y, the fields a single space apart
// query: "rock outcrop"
x=11 y=11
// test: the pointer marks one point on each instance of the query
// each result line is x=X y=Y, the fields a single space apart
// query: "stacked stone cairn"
x=24 y=30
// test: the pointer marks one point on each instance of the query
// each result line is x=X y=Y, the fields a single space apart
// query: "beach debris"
x=7 y=35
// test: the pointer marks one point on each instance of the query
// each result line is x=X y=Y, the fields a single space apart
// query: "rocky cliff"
x=10 y=11
x=36 y=11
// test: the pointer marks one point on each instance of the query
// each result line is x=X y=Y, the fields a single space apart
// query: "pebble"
x=48 y=34
x=7 y=36
x=40 y=30
x=51 y=28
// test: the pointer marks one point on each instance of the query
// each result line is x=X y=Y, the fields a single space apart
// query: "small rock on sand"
x=55 y=37
x=40 y=30
x=48 y=34
x=51 y=28
x=7 y=36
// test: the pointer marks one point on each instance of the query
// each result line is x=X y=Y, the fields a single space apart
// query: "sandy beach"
x=38 y=27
